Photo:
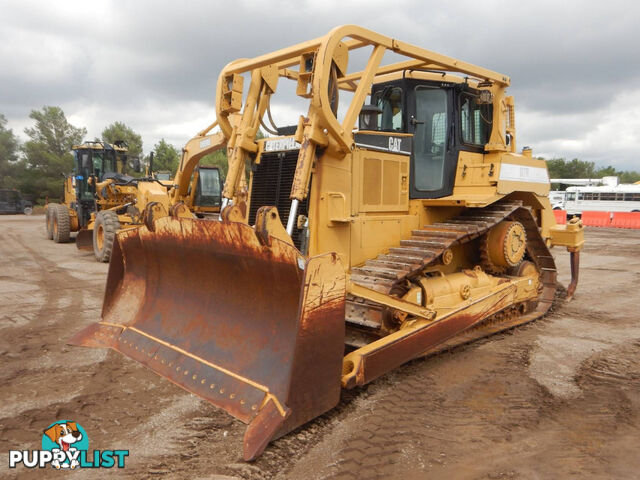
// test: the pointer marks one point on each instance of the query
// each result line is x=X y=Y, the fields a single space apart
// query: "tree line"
x=561 y=168
x=37 y=166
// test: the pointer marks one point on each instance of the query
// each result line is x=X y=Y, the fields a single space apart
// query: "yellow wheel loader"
x=99 y=199
x=395 y=219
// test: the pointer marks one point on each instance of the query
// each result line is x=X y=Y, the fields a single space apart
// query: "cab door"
x=435 y=155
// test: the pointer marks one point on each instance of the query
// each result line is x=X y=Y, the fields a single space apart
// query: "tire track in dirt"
x=418 y=420
x=49 y=275
x=211 y=434
x=476 y=413
x=423 y=427
x=45 y=316
x=44 y=379
x=34 y=331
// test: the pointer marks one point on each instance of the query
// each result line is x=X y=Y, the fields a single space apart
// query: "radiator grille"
x=272 y=180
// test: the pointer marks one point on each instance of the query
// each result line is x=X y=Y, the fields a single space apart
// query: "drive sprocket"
x=503 y=247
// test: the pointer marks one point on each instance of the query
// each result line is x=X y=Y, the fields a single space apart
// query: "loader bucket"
x=256 y=330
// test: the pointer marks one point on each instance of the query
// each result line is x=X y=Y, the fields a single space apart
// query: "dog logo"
x=65 y=444
x=65 y=436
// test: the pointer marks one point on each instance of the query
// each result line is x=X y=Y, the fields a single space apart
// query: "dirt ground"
x=559 y=398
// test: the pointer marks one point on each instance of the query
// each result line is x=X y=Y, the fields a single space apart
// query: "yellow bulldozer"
x=395 y=219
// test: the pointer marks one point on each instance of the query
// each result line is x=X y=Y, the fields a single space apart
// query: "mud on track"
x=556 y=399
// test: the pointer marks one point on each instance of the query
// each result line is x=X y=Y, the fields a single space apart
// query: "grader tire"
x=104 y=233
x=48 y=219
x=61 y=224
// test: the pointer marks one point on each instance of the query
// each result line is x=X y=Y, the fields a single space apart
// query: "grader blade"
x=257 y=330
x=84 y=240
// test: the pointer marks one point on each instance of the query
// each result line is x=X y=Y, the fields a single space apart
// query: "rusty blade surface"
x=206 y=305
x=84 y=240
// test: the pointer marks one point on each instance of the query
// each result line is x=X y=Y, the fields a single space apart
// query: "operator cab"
x=444 y=119
x=209 y=187
x=99 y=160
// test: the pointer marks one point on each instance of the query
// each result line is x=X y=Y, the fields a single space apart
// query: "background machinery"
x=11 y=201
x=203 y=195
x=350 y=251
x=99 y=199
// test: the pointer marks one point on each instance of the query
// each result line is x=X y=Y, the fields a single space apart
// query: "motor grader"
x=99 y=199
x=395 y=219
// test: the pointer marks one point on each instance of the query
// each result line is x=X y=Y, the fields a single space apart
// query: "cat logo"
x=394 y=144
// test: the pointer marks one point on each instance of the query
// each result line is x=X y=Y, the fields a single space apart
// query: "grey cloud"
x=144 y=62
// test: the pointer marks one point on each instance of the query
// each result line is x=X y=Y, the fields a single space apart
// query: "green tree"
x=48 y=152
x=217 y=159
x=119 y=131
x=560 y=168
x=623 y=176
x=9 y=147
x=166 y=157
x=53 y=133
x=606 y=172
x=629 y=177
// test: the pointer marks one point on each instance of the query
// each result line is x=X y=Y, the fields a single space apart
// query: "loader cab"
x=444 y=119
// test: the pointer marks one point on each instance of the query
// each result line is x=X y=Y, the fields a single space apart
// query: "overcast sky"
x=574 y=66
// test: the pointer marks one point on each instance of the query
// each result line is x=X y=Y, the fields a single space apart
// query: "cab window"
x=208 y=188
x=430 y=138
x=97 y=162
x=475 y=120
x=209 y=182
x=389 y=101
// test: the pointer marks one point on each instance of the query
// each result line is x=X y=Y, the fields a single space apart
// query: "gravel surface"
x=559 y=398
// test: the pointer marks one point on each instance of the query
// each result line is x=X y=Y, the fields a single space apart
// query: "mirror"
x=137 y=166
x=368 y=119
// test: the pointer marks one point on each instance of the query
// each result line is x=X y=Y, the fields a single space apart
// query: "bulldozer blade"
x=84 y=240
x=256 y=330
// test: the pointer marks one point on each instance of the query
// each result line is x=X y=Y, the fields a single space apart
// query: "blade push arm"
x=242 y=138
